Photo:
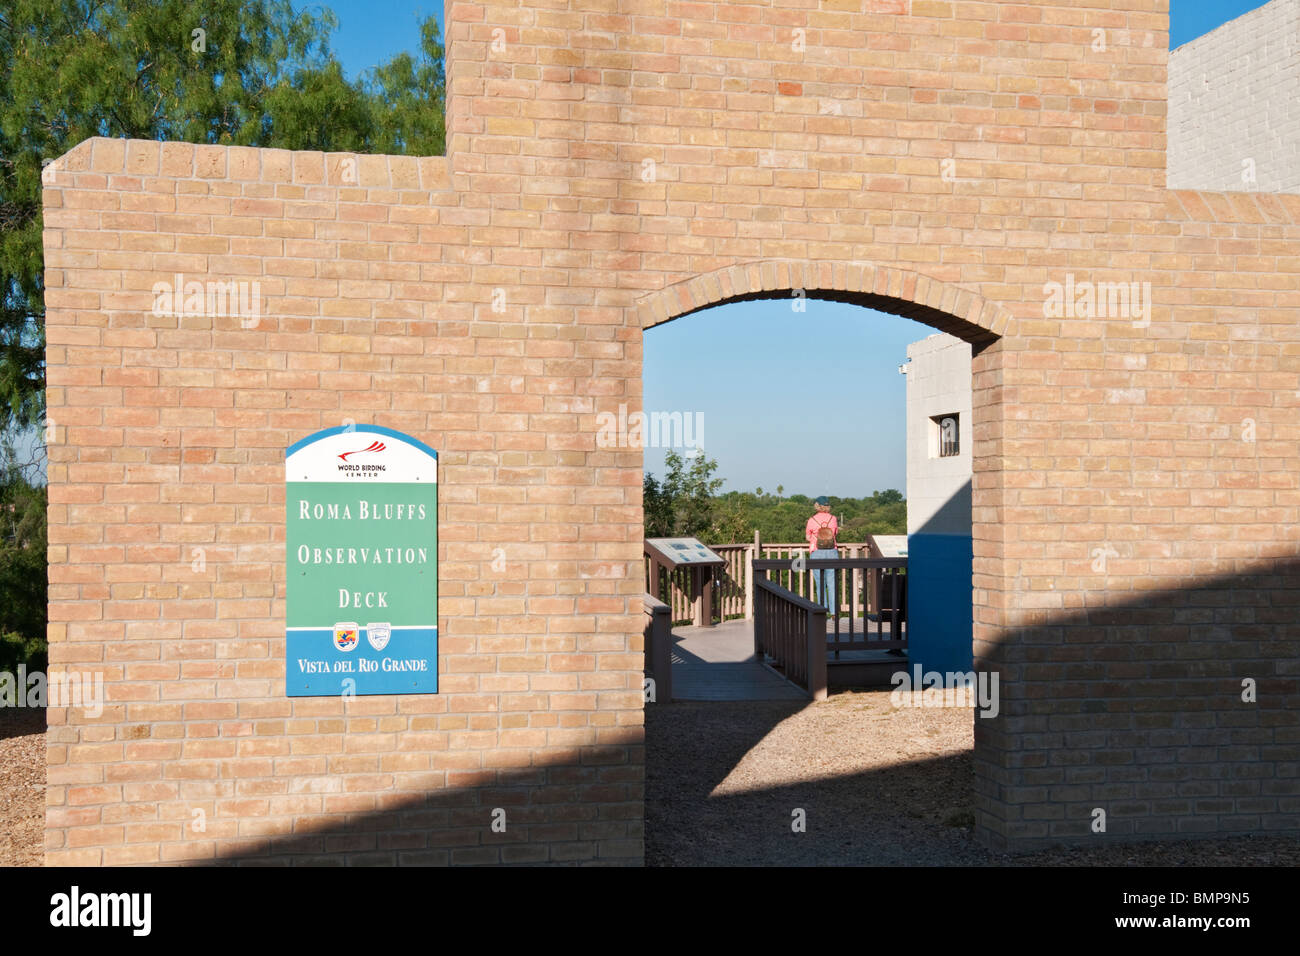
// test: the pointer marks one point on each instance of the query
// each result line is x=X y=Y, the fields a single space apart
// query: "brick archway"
x=944 y=306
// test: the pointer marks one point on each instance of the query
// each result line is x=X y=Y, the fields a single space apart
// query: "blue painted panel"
x=939 y=605
x=315 y=667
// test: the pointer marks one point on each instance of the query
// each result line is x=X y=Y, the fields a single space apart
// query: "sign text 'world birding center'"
x=361 y=511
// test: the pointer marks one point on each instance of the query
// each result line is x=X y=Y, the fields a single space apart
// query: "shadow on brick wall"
x=586 y=809
x=583 y=811
x=1135 y=707
x=1140 y=707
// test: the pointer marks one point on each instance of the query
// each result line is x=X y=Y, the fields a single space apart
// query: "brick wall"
x=607 y=172
x=1234 y=104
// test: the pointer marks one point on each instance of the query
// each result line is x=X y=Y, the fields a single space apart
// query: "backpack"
x=825 y=536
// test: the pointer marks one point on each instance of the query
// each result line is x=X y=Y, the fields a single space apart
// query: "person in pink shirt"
x=821 y=532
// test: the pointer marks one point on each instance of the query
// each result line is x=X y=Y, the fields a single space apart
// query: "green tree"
x=688 y=502
x=658 y=508
x=738 y=514
x=731 y=523
x=240 y=72
x=410 y=94
x=22 y=572
x=682 y=504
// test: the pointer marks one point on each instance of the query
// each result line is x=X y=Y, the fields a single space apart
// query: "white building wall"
x=939 y=554
x=1234 y=105
x=938 y=383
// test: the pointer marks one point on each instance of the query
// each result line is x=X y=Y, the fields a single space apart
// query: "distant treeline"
x=23 y=592
x=687 y=502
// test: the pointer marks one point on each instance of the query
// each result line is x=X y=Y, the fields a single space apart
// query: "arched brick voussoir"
x=943 y=305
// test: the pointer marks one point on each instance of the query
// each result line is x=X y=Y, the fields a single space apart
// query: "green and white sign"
x=361 y=533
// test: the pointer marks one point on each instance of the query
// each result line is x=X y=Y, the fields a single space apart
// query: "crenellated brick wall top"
x=244 y=164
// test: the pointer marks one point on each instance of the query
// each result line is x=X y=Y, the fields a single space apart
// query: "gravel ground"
x=22 y=786
x=878 y=786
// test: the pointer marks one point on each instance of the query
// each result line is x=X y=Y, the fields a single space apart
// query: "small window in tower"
x=945 y=430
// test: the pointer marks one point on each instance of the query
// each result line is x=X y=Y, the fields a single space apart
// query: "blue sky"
x=810 y=401
x=1189 y=19
x=370 y=31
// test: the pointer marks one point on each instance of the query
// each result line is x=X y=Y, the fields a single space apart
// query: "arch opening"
x=944 y=309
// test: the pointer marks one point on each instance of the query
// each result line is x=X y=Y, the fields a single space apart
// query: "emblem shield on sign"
x=345 y=636
x=378 y=634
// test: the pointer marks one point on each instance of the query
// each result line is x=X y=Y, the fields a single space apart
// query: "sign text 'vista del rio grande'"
x=361 y=542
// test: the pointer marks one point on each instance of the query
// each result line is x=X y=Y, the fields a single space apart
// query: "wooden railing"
x=791 y=632
x=732 y=596
x=848 y=588
x=876 y=616
x=671 y=587
x=659 y=648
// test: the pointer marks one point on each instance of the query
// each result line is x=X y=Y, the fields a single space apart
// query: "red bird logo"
x=374 y=446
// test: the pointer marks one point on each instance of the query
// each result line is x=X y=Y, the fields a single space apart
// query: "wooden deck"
x=717 y=663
